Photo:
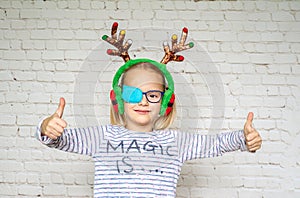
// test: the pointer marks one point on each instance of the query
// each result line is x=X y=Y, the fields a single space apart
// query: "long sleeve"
x=195 y=146
x=79 y=140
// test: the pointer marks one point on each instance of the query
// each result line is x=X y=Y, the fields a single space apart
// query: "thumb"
x=250 y=118
x=248 y=125
x=61 y=107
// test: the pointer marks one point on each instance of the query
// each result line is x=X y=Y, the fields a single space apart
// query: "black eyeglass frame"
x=156 y=91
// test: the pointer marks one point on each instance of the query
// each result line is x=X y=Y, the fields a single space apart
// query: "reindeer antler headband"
x=122 y=51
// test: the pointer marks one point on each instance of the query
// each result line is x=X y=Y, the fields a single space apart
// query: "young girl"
x=137 y=155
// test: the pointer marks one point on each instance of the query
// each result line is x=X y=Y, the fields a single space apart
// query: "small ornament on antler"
x=122 y=49
x=176 y=47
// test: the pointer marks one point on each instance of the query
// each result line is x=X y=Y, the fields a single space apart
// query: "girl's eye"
x=153 y=94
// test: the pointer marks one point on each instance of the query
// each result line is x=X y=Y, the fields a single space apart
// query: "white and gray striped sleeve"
x=195 y=146
x=78 y=140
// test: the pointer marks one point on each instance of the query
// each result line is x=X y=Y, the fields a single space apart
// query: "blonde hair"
x=162 y=122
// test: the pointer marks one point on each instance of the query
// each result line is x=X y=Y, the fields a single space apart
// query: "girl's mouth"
x=142 y=111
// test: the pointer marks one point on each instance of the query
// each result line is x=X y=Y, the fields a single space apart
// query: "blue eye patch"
x=131 y=94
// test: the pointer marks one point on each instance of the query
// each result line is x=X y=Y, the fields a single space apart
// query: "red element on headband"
x=180 y=58
x=170 y=105
x=115 y=24
x=114 y=101
x=109 y=51
x=185 y=30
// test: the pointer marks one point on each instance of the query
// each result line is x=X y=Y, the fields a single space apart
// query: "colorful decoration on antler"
x=122 y=49
x=176 y=47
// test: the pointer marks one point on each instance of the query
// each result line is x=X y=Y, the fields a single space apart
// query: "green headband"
x=130 y=63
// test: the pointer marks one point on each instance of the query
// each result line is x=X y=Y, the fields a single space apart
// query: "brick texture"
x=246 y=58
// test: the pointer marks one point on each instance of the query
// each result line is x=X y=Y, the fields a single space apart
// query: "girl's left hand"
x=253 y=139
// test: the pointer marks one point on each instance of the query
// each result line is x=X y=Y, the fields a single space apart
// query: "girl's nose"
x=144 y=101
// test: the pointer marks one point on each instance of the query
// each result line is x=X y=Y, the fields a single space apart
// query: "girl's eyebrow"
x=153 y=90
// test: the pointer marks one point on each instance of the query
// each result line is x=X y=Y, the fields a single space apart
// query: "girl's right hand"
x=53 y=126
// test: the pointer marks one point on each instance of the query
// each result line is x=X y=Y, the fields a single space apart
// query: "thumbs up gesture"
x=54 y=125
x=253 y=139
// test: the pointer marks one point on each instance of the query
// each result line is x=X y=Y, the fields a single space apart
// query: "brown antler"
x=122 y=49
x=170 y=54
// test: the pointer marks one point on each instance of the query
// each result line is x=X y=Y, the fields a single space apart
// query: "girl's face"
x=142 y=116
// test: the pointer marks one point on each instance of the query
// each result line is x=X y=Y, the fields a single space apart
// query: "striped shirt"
x=141 y=164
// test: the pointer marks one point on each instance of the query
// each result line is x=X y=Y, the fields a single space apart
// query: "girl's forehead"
x=139 y=77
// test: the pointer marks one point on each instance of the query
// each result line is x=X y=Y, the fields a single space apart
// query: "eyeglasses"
x=135 y=95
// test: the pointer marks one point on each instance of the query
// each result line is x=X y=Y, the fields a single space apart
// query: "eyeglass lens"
x=153 y=96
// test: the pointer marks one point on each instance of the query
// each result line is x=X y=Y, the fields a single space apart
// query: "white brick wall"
x=248 y=50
